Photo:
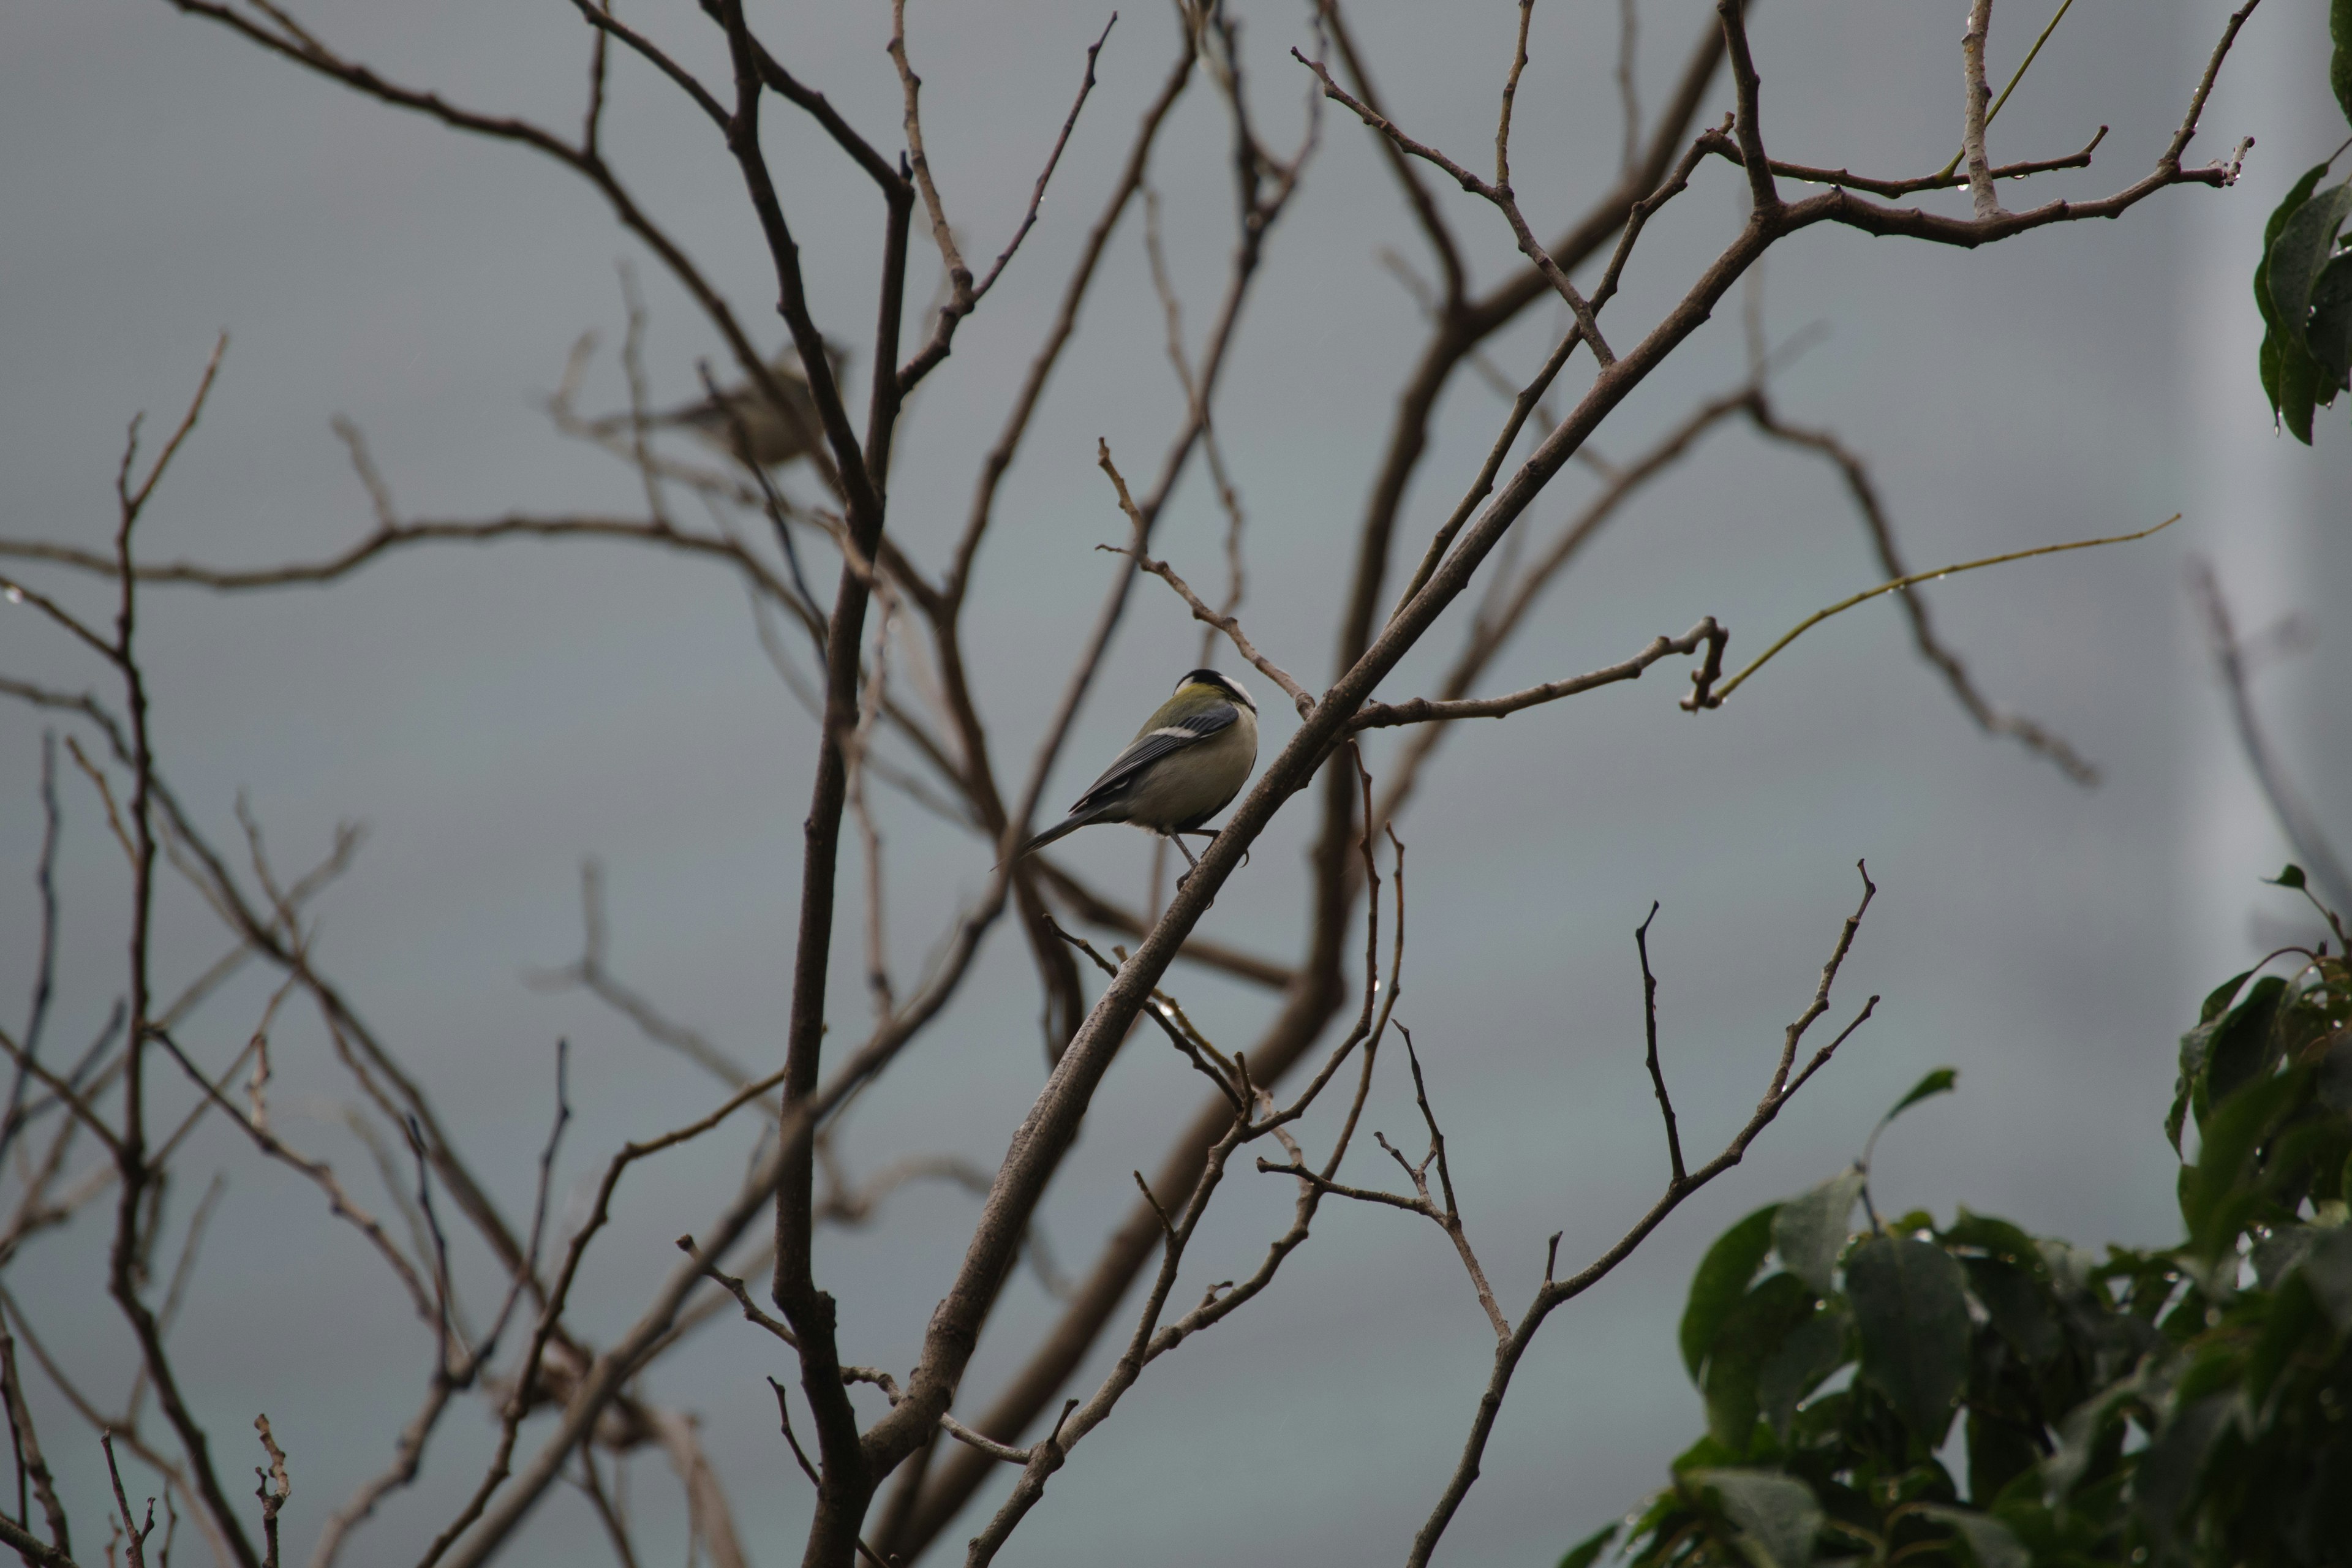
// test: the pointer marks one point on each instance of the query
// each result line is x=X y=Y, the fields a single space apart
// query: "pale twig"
x=318 y=1172
x=965 y=294
x=273 y=1491
x=1987 y=200
x=134 y=1537
x=559 y=1295
x=1628 y=80
x=592 y=974
x=1165 y=1012
x=1201 y=611
x=1499 y=194
x=2301 y=826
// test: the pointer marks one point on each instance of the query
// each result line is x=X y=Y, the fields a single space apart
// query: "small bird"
x=744 y=422
x=1185 y=765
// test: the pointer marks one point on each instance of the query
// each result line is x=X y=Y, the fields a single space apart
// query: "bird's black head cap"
x=1210 y=678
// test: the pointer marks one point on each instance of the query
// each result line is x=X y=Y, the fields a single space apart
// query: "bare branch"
x=1848 y=179
x=1421 y=711
x=273 y=1491
x=1500 y=192
x=1986 y=199
x=1762 y=192
x=965 y=295
x=1553 y=1293
x=2304 y=834
x=1657 y=1076
x=1990 y=717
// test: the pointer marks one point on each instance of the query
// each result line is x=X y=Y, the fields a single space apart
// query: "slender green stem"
x=1818 y=616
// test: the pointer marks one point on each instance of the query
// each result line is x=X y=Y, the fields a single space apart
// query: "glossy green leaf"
x=2217 y=1000
x=1811 y=1230
x=1704 y=1454
x=2290 y=877
x=2294 y=1317
x=1751 y=1332
x=1722 y=1279
x=2281 y=339
x=1813 y=1350
x=2000 y=1448
x=2333 y=1076
x=2244 y=1045
x=1584 y=1552
x=2339 y=65
x=2215 y=1196
x=1909 y=1300
x=1990 y=1543
x=2329 y=334
x=1777 y=1515
x=2169 y=1468
x=1991 y=1233
x=2327 y=1268
x=1940 y=1081
x=2298 y=194
x=2021 y=1311
x=2298 y=386
x=2083 y=1430
x=2304 y=245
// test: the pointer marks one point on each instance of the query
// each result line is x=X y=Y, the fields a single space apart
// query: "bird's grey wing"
x=1149 y=748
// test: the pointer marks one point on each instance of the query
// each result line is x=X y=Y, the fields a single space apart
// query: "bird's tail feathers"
x=1067 y=824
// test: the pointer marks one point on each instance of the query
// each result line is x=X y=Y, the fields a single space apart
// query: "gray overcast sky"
x=493 y=716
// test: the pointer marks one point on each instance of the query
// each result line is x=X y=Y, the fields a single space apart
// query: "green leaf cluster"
x=2303 y=284
x=1973 y=1395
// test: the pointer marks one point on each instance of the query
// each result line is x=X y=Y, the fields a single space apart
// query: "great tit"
x=743 y=423
x=1186 y=763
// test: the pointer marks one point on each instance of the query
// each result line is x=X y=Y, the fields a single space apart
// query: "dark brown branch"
x=134 y=1537
x=288 y=40
x=781 y=82
x=1848 y=180
x=1421 y=711
x=385 y=540
x=32 y=1548
x=1989 y=717
x=1095 y=909
x=318 y=1172
x=31 y=1464
x=606 y=24
x=1320 y=992
x=1499 y=194
x=1748 y=89
x=1657 y=1076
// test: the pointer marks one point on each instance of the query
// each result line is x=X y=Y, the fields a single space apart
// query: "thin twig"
x=1818 y=616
